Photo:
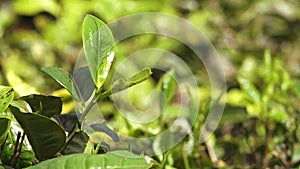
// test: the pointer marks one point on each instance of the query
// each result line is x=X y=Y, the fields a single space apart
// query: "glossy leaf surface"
x=44 y=105
x=103 y=128
x=6 y=97
x=60 y=76
x=116 y=159
x=123 y=84
x=97 y=44
x=83 y=83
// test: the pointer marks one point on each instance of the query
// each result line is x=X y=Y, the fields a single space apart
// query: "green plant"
x=264 y=89
x=39 y=116
x=46 y=33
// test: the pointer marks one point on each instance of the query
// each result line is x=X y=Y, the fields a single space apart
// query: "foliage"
x=113 y=159
x=257 y=40
x=47 y=137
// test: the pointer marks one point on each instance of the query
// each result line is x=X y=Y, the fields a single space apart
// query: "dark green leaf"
x=5 y=166
x=68 y=121
x=97 y=43
x=44 y=105
x=116 y=159
x=84 y=83
x=4 y=126
x=106 y=130
x=22 y=105
x=60 y=76
x=45 y=136
x=78 y=143
x=6 y=97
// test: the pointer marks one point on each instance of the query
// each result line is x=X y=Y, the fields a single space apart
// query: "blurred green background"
x=258 y=42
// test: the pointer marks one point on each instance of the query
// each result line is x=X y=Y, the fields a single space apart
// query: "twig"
x=185 y=160
x=266 y=154
x=210 y=150
x=17 y=149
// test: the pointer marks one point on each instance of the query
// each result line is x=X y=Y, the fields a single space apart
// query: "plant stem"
x=17 y=150
x=87 y=110
x=69 y=139
x=266 y=153
x=211 y=152
x=185 y=160
x=96 y=98
x=164 y=160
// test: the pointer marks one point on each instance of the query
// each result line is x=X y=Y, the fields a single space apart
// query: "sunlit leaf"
x=6 y=97
x=123 y=84
x=22 y=105
x=115 y=159
x=104 y=68
x=7 y=115
x=22 y=7
x=60 y=76
x=278 y=113
x=18 y=84
x=103 y=128
x=248 y=69
x=97 y=43
x=250 y=89
x=45 y=136
x=167 y=85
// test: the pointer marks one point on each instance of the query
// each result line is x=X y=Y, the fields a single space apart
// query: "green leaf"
x=115 y=159
x=106 y=130
x=67 y=121
x=167 y=85
x=22 y=105
x=123 y=84
x=5 y=167
x=6 y=97
x=4 y=126
x=44 y=105
x=60 y=76
x=104 y=68
x=45 y=136
x=22 y=7
x=83 y=82
x=250 y=89
x=296 y=153
x=97 y=43
x=26 y=155
x=7 y=115
x=77 y=144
